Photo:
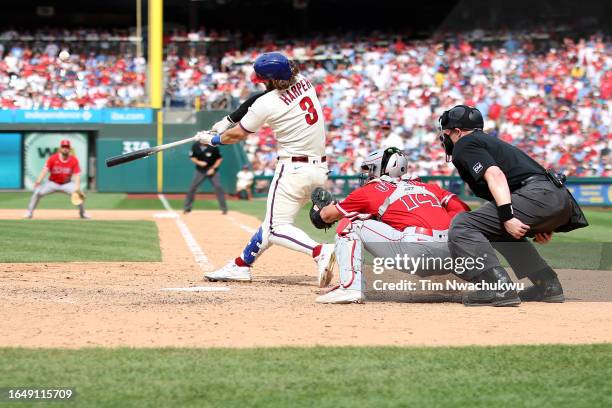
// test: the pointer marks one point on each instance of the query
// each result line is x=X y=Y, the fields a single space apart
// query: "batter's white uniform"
x=296 y=117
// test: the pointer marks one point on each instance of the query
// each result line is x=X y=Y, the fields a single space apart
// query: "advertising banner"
x=39 y=146
x=127 y=116
x=592 y=194
x=10 y=160
x=135 y=116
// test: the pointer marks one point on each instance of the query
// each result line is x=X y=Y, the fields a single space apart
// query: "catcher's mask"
x=385 y=162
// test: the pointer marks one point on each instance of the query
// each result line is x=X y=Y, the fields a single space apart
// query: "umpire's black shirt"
x=475 y=153
x=205 y=153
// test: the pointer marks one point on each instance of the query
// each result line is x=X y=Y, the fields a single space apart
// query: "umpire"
x=525 y=200
x=207 y=160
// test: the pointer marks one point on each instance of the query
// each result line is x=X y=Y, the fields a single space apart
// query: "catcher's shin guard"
x=350 y=261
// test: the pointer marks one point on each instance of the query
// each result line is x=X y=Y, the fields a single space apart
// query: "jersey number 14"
x=307 y=106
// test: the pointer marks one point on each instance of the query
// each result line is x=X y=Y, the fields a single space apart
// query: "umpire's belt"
x=304 y=159
x=533 y=179
x=428 y=234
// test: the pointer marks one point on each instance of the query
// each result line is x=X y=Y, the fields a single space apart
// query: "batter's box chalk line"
x=165 y=215
x=199 y=256
x=242 y=226
x=198 y=289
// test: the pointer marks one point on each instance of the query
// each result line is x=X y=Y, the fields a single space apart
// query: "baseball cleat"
x=490 y=297
x=341 y=295
x=85 y=217
x=230 y=273
x=549 y=291
x=27 y=215
x=325 y=264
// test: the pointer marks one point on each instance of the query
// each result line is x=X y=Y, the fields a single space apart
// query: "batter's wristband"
x=505 y=212
x=216 y=140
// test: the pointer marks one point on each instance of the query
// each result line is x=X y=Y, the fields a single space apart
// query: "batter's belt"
x=303 y=159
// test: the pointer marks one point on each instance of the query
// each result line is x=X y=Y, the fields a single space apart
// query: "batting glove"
x=205 y=136
x=222 y=125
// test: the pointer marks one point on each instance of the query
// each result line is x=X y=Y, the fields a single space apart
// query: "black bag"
x=577 y=220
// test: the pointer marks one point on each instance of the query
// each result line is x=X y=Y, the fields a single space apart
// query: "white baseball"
x=64 y=55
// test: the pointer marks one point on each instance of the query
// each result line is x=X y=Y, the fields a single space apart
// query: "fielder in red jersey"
x=61 y=167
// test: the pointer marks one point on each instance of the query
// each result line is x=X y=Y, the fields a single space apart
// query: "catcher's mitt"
x=320 y=198
x=77 y=197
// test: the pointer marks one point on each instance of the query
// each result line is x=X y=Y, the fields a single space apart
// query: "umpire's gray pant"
x=198 y=178
x=52 y=187
x=541 y=205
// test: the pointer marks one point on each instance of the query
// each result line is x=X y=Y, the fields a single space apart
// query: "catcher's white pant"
x=290 y=189
x=53 y=187
x=384 y=241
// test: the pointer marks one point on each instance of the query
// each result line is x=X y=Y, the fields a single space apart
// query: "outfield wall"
x=28 y=138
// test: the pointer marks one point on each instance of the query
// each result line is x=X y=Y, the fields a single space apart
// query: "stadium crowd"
x=553 y=98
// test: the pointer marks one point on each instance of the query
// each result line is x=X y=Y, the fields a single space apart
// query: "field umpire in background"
x=525 y=200
x=207 y=160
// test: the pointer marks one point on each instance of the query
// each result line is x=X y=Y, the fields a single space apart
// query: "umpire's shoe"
x=490 y=297
x=544 y=291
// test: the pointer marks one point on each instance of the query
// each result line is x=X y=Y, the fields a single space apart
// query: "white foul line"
x=195 y=249
x=241 y=225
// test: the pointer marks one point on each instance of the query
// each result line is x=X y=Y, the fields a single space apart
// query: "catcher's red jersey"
x=413 y=210
x=62 y=170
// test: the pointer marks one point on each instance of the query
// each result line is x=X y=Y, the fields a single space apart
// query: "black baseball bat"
x=139 y=154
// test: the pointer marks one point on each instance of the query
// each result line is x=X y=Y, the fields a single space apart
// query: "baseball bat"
x=139 y=154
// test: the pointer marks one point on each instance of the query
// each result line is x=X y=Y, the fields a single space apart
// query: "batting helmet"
x=270 y=66
x=461 y=117
x=385 y=162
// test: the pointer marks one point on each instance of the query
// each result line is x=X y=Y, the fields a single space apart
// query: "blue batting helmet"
x=272 y=65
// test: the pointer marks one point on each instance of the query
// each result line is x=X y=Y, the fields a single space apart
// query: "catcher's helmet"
x=385 y=162
x=461 y=117
x=271 y=65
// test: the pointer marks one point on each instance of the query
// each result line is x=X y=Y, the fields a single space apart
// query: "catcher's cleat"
x=547 y=291
x=325 y=264
x=230 y=273
x=341 y=295
x=489 y=297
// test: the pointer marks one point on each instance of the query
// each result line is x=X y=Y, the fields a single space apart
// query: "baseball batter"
x=393 y=214
x=61 y=167
x=292 y=109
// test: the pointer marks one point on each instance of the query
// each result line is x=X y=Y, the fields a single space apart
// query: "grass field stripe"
x=242 y=226
x=200 y=258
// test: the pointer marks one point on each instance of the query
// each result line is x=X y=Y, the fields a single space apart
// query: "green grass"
x=94 y=201
x=571 y=250
x=78 y=240
x=526 y=376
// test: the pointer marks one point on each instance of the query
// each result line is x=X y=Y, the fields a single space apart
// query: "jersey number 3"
x=307 y=105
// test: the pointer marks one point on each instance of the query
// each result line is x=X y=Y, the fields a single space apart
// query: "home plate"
x=199 y=289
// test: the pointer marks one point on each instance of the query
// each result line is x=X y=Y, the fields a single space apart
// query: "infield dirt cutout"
x=83 y=304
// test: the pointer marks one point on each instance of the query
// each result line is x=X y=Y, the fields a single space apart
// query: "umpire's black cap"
x=461 y=117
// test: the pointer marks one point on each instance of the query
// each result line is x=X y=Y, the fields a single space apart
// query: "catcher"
x=392 y=214
x=61 y=166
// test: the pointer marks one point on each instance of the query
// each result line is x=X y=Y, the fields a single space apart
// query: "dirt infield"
x=121 y=304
